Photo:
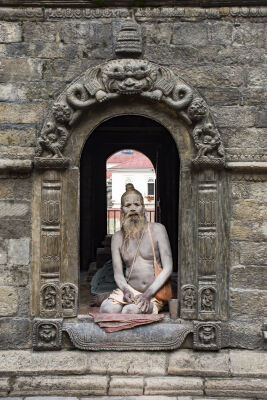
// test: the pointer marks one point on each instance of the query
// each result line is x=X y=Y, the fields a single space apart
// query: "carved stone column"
x=50 y=241
x=206 y=249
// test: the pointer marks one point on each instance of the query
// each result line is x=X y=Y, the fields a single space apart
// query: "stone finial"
x=129 y=40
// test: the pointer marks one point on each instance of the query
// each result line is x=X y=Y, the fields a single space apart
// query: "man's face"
x=132 y=206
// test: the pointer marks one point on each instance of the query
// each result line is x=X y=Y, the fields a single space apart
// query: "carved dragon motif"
x=133 y=77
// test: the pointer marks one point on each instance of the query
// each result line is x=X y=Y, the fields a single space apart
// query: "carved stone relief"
x=47 y=334
x=189 y=301
x=118 y=78
x=207 y=335
x=68 y=299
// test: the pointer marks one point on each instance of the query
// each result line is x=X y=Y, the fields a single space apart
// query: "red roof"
x=138 y=160
x=120 y=157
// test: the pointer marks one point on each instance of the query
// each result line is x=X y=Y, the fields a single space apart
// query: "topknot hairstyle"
x=131 y=189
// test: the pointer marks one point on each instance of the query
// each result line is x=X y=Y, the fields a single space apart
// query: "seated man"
x=132 y=246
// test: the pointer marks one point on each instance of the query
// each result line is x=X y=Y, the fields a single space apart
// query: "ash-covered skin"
x=123 y=246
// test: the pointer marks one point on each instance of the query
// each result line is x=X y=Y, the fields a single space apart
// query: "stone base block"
x=60 y=385
x=255 y=388
x=126 y=386
x=173 y=385
x=4 y=386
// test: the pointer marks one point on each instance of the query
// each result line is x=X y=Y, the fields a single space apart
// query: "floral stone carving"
x=47 y=334
x=122 y=77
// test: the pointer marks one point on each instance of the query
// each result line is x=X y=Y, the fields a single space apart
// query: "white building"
x=131 y=166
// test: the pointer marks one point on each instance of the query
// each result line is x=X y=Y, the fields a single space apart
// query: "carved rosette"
x=207 y=335
x=118 y=78
x=47 y=334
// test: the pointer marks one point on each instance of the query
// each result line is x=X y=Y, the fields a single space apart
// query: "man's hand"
x=143 y=302
x=128 y=295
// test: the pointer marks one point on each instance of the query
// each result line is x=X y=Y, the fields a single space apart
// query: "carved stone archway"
x=130 y=86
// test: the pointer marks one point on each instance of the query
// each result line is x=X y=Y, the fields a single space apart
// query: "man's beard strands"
x=132 y=226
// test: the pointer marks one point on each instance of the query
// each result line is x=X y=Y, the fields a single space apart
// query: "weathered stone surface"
x=213 y=75
x=9 y=208
x=249 y=301
x=249 y=34
x=257 y=77
x=142 y=363
x=9 y=92
x=261 y=121
x=17 y=151
x=54 y=362
x=60 y=385
x=245 y=333
x=226 y=55
x=258 y=191
x=252 y=277
x=23 y=113
x=3 y=252
x=172 y=385
x=221 y=96
x=6 y=189
x=220 y=32
x=19 y=251
x=236 y=387
x=12 y=228
x=22 y=136
x=4 y=386
x=234 y=116
x=253 y=253
x=254 y=96
x=249 y=210
x=20 y=70
x=8 y=301
x=24 y=301
x=126 y=386
x=14 y=333
x=244 y=137
x=56 y=69
x=181 y=56
x=252 y=231
x=10 y=32
x=189 y=362
x=248 y=363
x=39 y=32
x=93 y=34
x=240 y=190
x=39 y=50
x=13 y=275
x=190 y=34
x=158 y=33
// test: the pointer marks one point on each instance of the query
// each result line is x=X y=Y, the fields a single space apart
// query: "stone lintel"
x=132 y=3
x=247 y=166
x=7 y=165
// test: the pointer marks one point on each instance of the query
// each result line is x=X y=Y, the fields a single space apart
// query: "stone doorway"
x=153 y=140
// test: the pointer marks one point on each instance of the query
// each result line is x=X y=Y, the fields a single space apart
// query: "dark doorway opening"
x=141 y=134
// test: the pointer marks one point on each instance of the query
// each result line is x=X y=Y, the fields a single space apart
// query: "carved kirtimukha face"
x=128 y=77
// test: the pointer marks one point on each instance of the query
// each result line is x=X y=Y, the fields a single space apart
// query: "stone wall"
x=153 y=375
x=222 y=52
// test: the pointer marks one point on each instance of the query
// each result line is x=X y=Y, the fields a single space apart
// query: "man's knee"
x=108 y=307
x=131 y=309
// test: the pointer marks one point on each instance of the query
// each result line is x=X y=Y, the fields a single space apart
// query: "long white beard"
x=132 y=226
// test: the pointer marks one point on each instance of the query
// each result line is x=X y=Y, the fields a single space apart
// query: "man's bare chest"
x=129 y=251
